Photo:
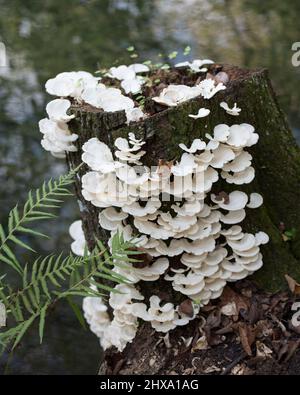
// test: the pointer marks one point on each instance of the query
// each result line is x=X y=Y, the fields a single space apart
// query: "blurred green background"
x=44 y=38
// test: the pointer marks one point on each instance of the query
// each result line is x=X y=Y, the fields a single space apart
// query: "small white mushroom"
x=57 y=110
x=176 y=94
x=255 y=200
x=202 y=112
x=243 y=177
x=98 y=156
x=241 y=162
x=222 y=155
x=208 y=88
x=76 y=232
x=242 y=136
x=261 y=238
x=237 y=201
x=233 y=217
x=185 y=166
x=153 y=271
x=197 y=145
x=247 y=242
x=235 y=111
x=221 y=133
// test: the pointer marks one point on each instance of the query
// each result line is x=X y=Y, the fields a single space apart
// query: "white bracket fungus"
x=196 y=226
x=235 y=111
x=202 y=112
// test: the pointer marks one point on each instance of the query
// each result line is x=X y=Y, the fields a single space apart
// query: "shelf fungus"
x=235 y=111
x=200 y=229
x=186 y=229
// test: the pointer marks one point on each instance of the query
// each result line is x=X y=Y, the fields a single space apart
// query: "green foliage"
x=52 y=278
x=289 y=234
x=187 y=50
x=37 y=207
x=173 y=55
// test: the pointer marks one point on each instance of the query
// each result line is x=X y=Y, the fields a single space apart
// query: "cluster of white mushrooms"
x=199 y=229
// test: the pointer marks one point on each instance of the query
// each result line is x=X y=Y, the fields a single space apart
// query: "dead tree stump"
x=276 y=159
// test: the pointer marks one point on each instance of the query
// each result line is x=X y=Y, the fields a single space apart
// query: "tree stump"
x=276 y=159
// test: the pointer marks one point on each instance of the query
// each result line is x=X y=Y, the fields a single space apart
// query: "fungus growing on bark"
x=235 y=111
x=194 y=227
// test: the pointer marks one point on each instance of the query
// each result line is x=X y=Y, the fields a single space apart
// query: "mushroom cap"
x=255 y=200
x=232 y=267
x=193 y=261
x=152 y=272
x=122 y=72
x=222 y=155
x=57 y=110
x=215 y=257
x=233 y=217
x=239 y=178
x=241 y=162
x=202 y=112
x=247 y=242
x=197 y=145
x=139 y=68
x=163 y=326
x=242 y=135
x=206 y=270
x=247 y=253
x=98 y=156
x=124 y=295
x=70 y=83
x=185 y=166
x=261 y=238
x=237 y=201
x=221 y=132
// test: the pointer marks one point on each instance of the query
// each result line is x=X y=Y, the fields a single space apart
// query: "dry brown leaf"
x=247 y=336
x=201 y=344
x=293 y=285
x=229 y=309
x=229 y=296
x=186 y=307
x=238 y=370
x=287 y=350
x=262 y=350
x=211 y=369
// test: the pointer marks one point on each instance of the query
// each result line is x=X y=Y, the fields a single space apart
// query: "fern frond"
x=36 y=208
x=56 y=277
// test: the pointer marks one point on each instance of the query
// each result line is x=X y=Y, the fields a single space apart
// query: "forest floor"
x=245 y=332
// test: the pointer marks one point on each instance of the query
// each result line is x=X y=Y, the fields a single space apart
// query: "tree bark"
x=276 y=161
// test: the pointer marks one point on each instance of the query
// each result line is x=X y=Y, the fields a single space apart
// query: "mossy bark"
x=277 y=165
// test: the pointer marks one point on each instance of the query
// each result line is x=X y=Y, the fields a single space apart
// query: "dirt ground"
x=245 y=332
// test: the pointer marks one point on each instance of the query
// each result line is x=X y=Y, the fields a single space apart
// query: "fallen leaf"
x=211 y=369
x=229 y=309
x=288 y=349
x=187 y=341
x=262 y=350
x=186 y=307
x=229 y=296
x=213 y=320
x=201 y=344
x=247 y=336
x=238 y=370
x=293 y=285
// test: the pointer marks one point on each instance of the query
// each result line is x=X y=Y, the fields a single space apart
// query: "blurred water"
x=45 y=38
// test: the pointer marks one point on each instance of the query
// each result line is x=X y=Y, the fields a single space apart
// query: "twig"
x=233 y=363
